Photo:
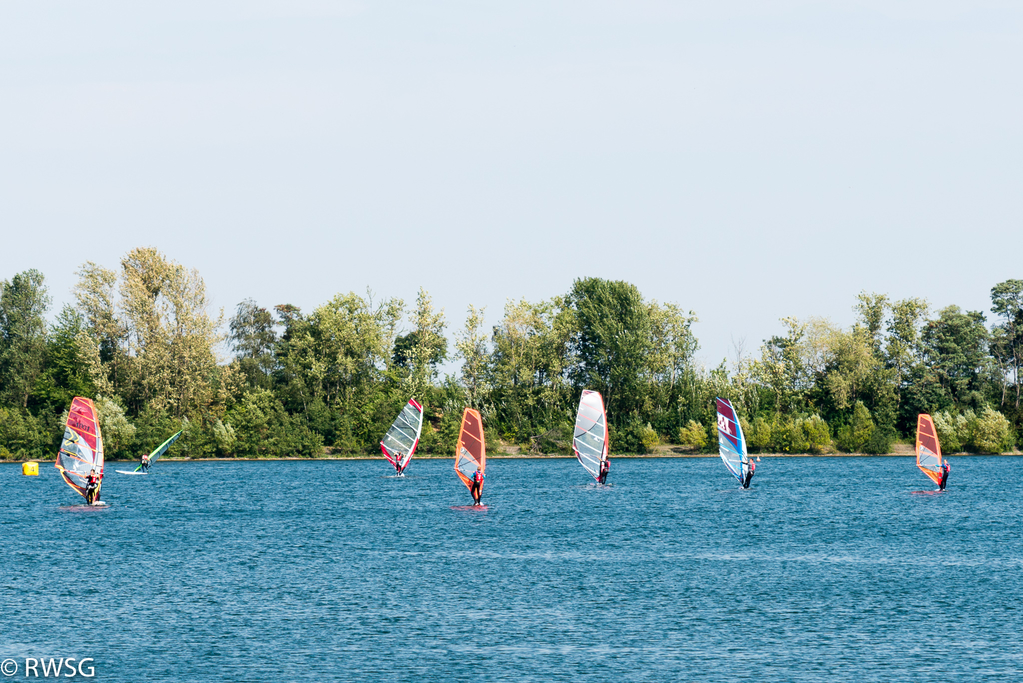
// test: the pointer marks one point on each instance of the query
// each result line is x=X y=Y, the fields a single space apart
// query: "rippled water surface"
x=827 y=569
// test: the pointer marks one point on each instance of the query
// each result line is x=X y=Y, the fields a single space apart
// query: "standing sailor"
x=398 y=469
x=91 y=487
x=477 y=486
x=605 y=467
x=749 y=474
x=945 y=469
x=145 y=462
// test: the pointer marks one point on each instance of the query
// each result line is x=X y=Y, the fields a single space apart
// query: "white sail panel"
x=589 y=441
x=402 y=438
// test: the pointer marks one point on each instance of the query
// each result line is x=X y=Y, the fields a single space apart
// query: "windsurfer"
x=945 y=469
x=477 y=486
x=145 y=462
x=91 y=487
x=605 y=467
x=749 y=474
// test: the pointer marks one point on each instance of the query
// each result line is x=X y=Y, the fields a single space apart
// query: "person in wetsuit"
x=749 y=474
x=605 y=467
x=91 y=487
x=145 y=462
x=398 y=469
x=477 y=485
x=945 y=469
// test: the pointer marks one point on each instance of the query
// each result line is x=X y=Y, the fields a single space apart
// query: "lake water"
x=847 y=569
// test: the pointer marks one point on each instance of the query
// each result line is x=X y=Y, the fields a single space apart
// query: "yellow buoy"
x=30 y=469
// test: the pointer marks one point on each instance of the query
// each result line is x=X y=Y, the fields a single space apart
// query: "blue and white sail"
x=731 y=442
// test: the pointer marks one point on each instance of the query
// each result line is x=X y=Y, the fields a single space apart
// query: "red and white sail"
x=81 y=449
x=471 y=449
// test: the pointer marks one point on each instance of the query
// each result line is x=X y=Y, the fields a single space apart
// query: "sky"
x=745 y=160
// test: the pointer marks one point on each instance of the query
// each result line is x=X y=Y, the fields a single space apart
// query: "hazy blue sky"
x=747 y=160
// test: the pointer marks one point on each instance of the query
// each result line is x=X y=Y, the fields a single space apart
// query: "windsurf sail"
x=160 y=450
x=471 y=449
x=928 y=450
x=81 y=449
x=400 y=441
x=731 y=443
x=590 y=439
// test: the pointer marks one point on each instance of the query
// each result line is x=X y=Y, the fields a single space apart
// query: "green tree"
x=853 y=437
x=118 y=432
x=903 y=354
x=611 y=343
x=23 y=304
x=254 y=339
x=472 y=350
x=669 y=373
x=955 y=346
x=66 y=369
x=530 y=358
x=872 y=309
x=991 y=432
x=424 y=348
x=104 y=344
x=1007 y=303
x=170 y=335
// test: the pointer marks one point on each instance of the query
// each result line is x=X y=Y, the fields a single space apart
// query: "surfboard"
x=127 y=472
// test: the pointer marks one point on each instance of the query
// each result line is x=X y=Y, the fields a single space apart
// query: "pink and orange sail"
x=471 y=449
x=81 y=449
x=928 y=450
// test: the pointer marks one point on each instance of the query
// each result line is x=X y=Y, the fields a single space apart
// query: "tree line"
x=143 y=341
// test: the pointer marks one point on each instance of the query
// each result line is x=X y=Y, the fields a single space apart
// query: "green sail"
x=160 y=450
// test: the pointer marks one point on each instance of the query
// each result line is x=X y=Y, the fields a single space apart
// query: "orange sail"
x=471 y=450
x=928 y=450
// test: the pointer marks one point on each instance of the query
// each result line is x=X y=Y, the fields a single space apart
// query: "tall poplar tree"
x=24 y=301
